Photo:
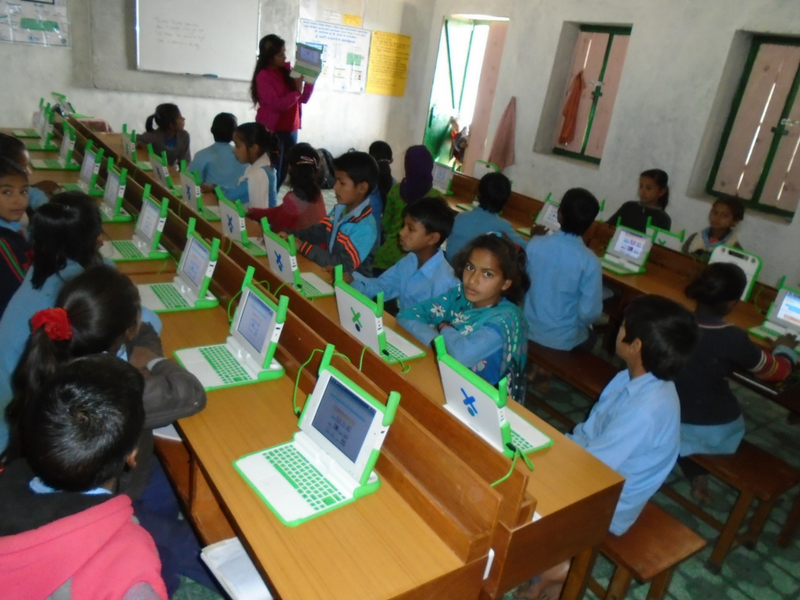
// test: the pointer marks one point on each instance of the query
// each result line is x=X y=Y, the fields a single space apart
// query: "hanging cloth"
x=502 y=153
x=571 y=110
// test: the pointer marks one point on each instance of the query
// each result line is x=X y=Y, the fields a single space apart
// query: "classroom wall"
x=672 y=102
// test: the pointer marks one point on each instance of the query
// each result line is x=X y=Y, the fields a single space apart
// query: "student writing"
x=170 y=135
x=653 y=201
x=252 y=145
x=217 y=165
x=725 y=214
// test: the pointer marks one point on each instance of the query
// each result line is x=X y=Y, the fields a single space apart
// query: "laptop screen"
x=549 y=217
x=128 y=146
x=255 y=322
x=789 y=311
x=66 y=146
x=309 y=55
x=343 y=418
x=630 y=245
x=196 y=261
x=148 y=220
x=441 y=176
x=112 y=191
x=87 y=168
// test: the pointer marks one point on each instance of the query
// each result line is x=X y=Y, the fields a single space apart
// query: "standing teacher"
x=278 y=96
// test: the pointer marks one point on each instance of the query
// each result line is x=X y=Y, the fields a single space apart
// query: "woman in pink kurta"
x=278 y=96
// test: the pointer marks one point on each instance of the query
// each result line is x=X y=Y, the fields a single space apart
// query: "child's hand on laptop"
x=539 y=230
x=207 y=187
x=787 y=340
x=346 y=277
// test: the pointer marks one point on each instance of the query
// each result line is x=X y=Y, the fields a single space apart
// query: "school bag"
x=326 y=176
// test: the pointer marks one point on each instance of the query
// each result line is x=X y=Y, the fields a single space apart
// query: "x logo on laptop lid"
x=279 y=260
x=356 y=318
x=469 y=402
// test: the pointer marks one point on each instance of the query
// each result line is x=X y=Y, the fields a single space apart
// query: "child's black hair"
x=494 y=190
x=360 y=167
x=84 y=423
x=579 y=209
x=513 y=262
x=12 y=148
x=662 y=181
x=9 y=168
x=382 y=153
x=304 y=164
x=268 y=48
x=164 y=117
x=434 y=214
x=667 y=330
x=66 y=228
x=223 y=126
x=255 y=134
x=717 y=286
x=734 y=204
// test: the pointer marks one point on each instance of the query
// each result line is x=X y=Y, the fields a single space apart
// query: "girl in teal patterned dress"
x=480 y=320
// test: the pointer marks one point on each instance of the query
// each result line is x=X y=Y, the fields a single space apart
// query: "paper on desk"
x=235 y=571
x=168 y=432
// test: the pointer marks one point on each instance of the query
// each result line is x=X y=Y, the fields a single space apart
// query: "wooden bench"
x=649 y=551
x=757 y=475
x=586 y=372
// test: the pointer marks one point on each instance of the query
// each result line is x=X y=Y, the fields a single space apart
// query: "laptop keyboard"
x=255 y=249
x=127 y=249
x=308 y=290
x=395 y=352
x=144 y=166
x=52 y=163
x=520 y=443
x=303 y=476
x=169 y=296
x=225 y=364
x=40 y=146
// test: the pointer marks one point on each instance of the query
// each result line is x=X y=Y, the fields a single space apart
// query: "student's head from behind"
x=578 y=210
x=69 y=227
x=223 y=126
x=251 y=141
x=494 y=190
x=725 y=214
x=167 y=117
x=718 y=288
x=83 y=425
x=427 y=224
x=304 y=163
x=13 y=190
x=14 y=149
x=492 y=267
x=381 y=151
x=654 y=188
x=658 y=334
x=356 y=176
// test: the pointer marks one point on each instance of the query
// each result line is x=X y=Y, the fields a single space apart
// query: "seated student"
x=482 y=324
x=252 y=145
x=14 y=150
x=217 y=164
x=494 y=189
x=566 y=294
x=726 y=213
x=170 y=137
x=424 y=272
x=382 y=153
x=65 y=530
x=347 y=235
x=653 y=200
x=15 y=252
x=635 y=426
x=711 y=419
x=303 y=205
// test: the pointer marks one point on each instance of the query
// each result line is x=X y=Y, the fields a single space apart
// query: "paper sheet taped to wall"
x=345 y=52
x=43 y=22
x=388 y=63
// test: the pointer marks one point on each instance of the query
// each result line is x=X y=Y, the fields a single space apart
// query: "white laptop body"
x=284 y=264
x=783 y=317
x=194 y=267
x=627 y=252
x=147 y=225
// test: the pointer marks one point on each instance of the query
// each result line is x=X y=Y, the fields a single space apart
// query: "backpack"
x=326 y=176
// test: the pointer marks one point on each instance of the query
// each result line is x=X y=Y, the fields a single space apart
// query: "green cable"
x=230 y=304
x=361 y=360
x=507 y=475
x=517 y=454
x=296 y=410
x=278 y=289
x=265 y=283
x=166 y=262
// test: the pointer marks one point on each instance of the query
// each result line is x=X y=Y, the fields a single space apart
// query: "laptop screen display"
x=148 y=220
x=309 y=55
x=87 y=168
x=112 y=189
x=343 y=418
x=255 y=323
x=66 y=146
x=630 y=245
x=127 y=146
x=789 y=311
x=194 y=266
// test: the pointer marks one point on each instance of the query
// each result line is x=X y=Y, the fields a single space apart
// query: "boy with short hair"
x=494 y=190
x=566 y=293
x=424 y=272
x=217 y=164
x=15 y=255
x=65 y=533
x=348 y=233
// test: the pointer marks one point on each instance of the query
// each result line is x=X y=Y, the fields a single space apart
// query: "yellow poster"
x=388 y=64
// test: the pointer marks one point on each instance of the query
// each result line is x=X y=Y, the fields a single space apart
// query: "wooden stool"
x=649 y=551
x=757 y=475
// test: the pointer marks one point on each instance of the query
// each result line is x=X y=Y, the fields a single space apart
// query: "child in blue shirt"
x=566 y=294
x=348 y=233
x=15 y=255
x=258 y=187
x=494 y=190
x=424 y=272
x=217 y=164
x=14 y=150
x=480 y=320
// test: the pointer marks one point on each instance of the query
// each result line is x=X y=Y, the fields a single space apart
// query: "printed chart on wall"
x=338 y=12
x=388 y=63
x=42 y=22
x=345 y=54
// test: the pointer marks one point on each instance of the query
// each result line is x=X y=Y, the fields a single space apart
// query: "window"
x=590 y=92
x=757 y=158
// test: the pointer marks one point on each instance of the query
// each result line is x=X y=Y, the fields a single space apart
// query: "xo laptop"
x=90 y=169
x=145 y=243
x=161 y=169
x=46 y=134
x=129 y=149
x=330 y=460
x=247 y=354
x=114 y=195
x=282 y=255
x=363 y=318
x=482 y=407
x=443 y=178
x=783 y=317
x=233 y=224
x=307 y=63
x=189 y=289
x=193 y=195
x=37 y=122
x=749 y=263
x=547 y=217
x=627 y=252
x=65 y=160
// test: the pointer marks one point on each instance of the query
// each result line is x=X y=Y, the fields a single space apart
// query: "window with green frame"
x=757 y=159
x=590 y=92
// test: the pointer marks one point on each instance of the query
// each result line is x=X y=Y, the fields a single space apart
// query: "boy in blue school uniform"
x=347 y=235
x=494 y=190
x=424 y=272
x=635 y=426
x=15 y=252
x=217 y=164
x=566 y=293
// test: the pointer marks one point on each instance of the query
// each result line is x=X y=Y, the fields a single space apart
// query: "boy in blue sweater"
x=217 y=164
x=347 y=235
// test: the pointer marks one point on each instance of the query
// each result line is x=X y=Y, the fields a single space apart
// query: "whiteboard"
x=198 y=37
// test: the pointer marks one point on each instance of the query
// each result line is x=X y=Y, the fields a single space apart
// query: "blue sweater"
x=217 y=164
x=471 y=224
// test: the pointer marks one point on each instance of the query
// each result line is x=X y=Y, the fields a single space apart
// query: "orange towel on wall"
x=502 y=153
x=571 y=110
